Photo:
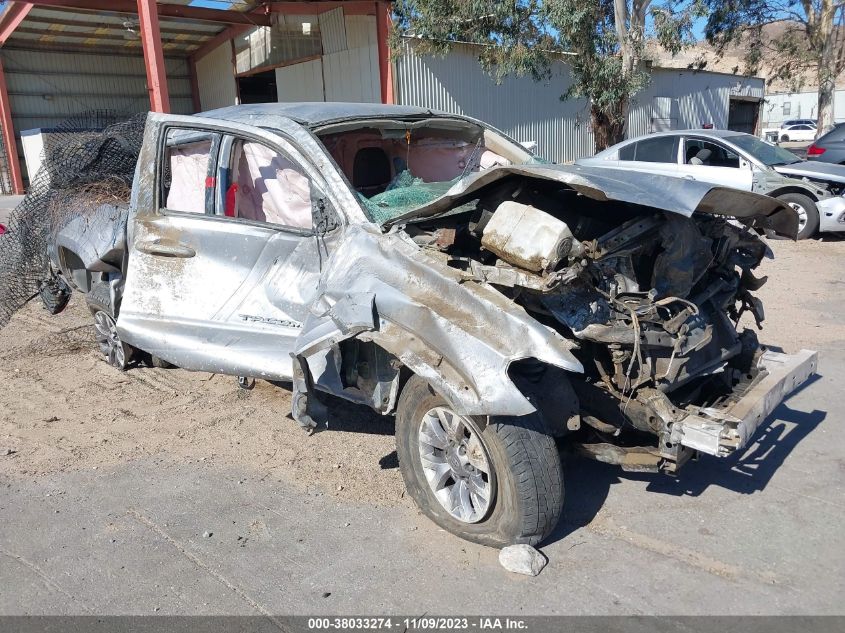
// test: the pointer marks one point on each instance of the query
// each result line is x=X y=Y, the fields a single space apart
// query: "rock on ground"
x=522 y=559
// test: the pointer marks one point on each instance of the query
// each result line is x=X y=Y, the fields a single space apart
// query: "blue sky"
x=212 y=4
x=698 y=29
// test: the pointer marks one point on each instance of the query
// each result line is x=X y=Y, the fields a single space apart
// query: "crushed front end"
x=651 y=300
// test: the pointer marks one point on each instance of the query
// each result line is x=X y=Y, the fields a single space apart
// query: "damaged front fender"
x=460 y=335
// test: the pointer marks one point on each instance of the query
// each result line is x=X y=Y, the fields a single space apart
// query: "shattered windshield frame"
x=406 y=193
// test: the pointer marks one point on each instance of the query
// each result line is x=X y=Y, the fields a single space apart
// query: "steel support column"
x=195 y=85
x=12 y=16
x=153 y=56
x=384 y=65
x=9 y=135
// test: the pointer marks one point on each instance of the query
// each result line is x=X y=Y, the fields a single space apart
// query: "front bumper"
x=831 y=214
x=724 y=430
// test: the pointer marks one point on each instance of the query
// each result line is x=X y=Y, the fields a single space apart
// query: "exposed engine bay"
x=651 y=298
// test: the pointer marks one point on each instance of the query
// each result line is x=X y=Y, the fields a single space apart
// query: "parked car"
x=799 y=132
x=809 y=122
x=743 y=161
x=2 y=229
x=830 y=147
x=427 y=266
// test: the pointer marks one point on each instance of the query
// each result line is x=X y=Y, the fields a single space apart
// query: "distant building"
x=785 y=99
x=59 y=61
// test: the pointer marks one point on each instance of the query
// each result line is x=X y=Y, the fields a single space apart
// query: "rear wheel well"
x=74 y=270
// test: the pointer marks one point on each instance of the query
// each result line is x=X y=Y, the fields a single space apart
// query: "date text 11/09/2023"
x=422 y=623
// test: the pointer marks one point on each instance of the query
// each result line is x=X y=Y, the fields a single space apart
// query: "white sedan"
x=800 y=132
x=740 y=161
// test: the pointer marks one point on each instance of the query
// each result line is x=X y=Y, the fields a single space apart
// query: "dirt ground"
x=62 y=408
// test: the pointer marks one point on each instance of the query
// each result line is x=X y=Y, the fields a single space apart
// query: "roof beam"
x=164 y=11
x=112 y=34
x=12 y=17
x=321 y=6
x=219 y=39
x=167 y=26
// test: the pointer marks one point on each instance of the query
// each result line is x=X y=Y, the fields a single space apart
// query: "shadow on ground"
x=588 y=482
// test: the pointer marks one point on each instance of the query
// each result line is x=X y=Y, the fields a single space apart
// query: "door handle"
x=688 y=177
x=166 y=249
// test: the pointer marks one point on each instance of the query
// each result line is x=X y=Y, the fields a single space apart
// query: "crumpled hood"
x=666 y=193
x=813 y=169
x=460 y=335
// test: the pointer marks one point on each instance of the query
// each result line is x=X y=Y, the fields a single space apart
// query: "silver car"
x=742 y=161
x=427 y=266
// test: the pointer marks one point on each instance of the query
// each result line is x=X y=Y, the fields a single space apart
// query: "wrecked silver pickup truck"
x=428 y=266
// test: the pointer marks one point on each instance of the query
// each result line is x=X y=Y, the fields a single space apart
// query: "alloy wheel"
x=456 y=464
x=802 y=215
x=105 y=333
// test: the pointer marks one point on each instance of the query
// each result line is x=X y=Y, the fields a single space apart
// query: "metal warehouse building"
x=799 y=105
x=532 y=111
x=60 y=58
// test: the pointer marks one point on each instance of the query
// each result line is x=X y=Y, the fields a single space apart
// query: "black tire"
x=55 y=295
x=784 y=139
x=528 y=490
x=99 y=299
x=805 y=202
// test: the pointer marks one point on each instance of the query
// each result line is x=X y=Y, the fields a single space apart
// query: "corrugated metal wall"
x=47 y=87
x=524 y=109
x=691 y=98
x=300 y=82
x=532 y=111
x=268 y=46
x=216 y=79
x=799 y=105
x=333 y=31
x=348 y=74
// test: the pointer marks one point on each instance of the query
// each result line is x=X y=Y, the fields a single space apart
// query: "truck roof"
x=315 y=113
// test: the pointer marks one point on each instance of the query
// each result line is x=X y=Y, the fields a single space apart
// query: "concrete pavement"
x=757 y=534
x=7 y=204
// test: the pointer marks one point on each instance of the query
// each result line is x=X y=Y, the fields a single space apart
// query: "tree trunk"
x=608 y=129
x=827 y=85
x=822 y=37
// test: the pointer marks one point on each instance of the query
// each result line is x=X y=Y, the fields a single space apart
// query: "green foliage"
x=673 y=23
x=523 y=37
x=805 y=43
x=515 y=38
x=587 y=29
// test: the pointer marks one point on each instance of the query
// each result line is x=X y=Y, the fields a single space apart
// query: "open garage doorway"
x=258 y=88
x=743 y=115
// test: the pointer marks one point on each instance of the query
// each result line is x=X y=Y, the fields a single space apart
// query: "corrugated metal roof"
x=79 y=29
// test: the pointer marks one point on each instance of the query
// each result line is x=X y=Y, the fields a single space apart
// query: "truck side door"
x=225 y=247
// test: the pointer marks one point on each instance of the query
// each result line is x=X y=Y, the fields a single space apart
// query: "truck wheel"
x=496 y=485
x=808 y=213
x=117 y=353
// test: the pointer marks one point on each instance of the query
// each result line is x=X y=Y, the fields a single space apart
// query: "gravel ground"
x=159 y=457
